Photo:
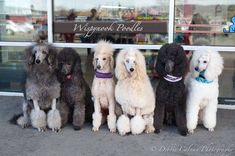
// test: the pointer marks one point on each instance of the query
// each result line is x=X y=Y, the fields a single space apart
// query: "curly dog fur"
x=103 y=88
x=134 y=93
x=170 y=95
x=41 y=90
x=75 y=97
x=203 y=89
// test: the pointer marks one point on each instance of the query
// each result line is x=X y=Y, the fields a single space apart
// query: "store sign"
x=92 y=27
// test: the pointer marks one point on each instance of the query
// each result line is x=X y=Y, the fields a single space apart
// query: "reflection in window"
x=20 y=19
x=202 y=22
x=11 y=68
x=109 y=10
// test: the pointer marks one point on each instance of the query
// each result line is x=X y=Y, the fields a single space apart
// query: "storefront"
x=187 y=22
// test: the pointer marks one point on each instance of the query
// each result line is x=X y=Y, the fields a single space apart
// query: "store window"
x=227 y=78
x=200 y=22
x=153 y=11
x=20 y=19
x=12 y=73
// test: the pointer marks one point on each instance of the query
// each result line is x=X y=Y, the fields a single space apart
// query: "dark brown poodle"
x=75 y=92
x=170 y=95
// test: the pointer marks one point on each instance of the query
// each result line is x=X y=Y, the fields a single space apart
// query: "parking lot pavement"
x=15 y=141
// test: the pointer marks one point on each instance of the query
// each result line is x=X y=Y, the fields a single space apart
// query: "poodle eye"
x=104 y=58
x=204 y=61
x=134 y=62
x=96 y=59
x=44 y=52
x=127 y=61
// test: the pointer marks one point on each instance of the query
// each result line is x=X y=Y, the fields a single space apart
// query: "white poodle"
x=203 y=89
x=134 y=93
x=103 y=86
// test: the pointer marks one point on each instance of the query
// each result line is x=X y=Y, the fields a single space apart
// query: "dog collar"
x=171 y=78
x=201 y=78
x=103 y=75
x=68 y=77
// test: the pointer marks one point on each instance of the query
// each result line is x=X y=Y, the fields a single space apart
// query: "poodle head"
x=171 y=60
x=103 y=56
x=41 y=53
x=208 y=62
x=130 y=63
x=69 y=63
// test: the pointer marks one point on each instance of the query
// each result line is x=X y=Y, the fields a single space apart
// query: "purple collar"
x=103 y=75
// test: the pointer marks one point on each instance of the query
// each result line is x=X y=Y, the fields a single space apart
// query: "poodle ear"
x=160 y=66
x=94 y=62
x=181 y=62
x=77 y=68
x=111 y=62
x=120 y=70
x=140 y=65
x=215 y=66
x=52 y=57
x=29 y=55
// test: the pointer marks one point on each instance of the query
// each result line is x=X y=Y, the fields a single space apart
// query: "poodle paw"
x=54 y=120
x=95 y=129
x=23 y=122
x=56 y=130
x=25 y=125
x=113 y=130
x=149 y=129
x=122 y=133
x=183 y=132
x=38 y=119
x=211 y=129
x=157 y=131
x=41 y=129
x=191 y=131
x=77 y=128
x=123 y=125
x=112 y=123
x=97 y=117
x=137 y=125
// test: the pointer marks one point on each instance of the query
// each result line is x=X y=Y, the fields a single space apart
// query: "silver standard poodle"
x=134 y=93
x=103 y=86
x=203 y=89
x=41 y=90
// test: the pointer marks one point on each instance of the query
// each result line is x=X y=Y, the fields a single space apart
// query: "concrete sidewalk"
x=15 y=141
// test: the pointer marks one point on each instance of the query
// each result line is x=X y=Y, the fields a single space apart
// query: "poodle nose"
x=98 y=66
x=196 y=68
x=37 y=61
x=131 y=69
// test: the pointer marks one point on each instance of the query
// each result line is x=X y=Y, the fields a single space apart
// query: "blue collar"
x=201 y=78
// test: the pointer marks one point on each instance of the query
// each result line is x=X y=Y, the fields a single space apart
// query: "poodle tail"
x=14 y=119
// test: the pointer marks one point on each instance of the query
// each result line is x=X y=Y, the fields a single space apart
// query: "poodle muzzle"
x=169 y=66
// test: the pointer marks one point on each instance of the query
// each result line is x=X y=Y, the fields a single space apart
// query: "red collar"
x=68 y=77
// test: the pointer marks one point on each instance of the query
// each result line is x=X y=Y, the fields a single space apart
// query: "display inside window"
x=203 y=22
